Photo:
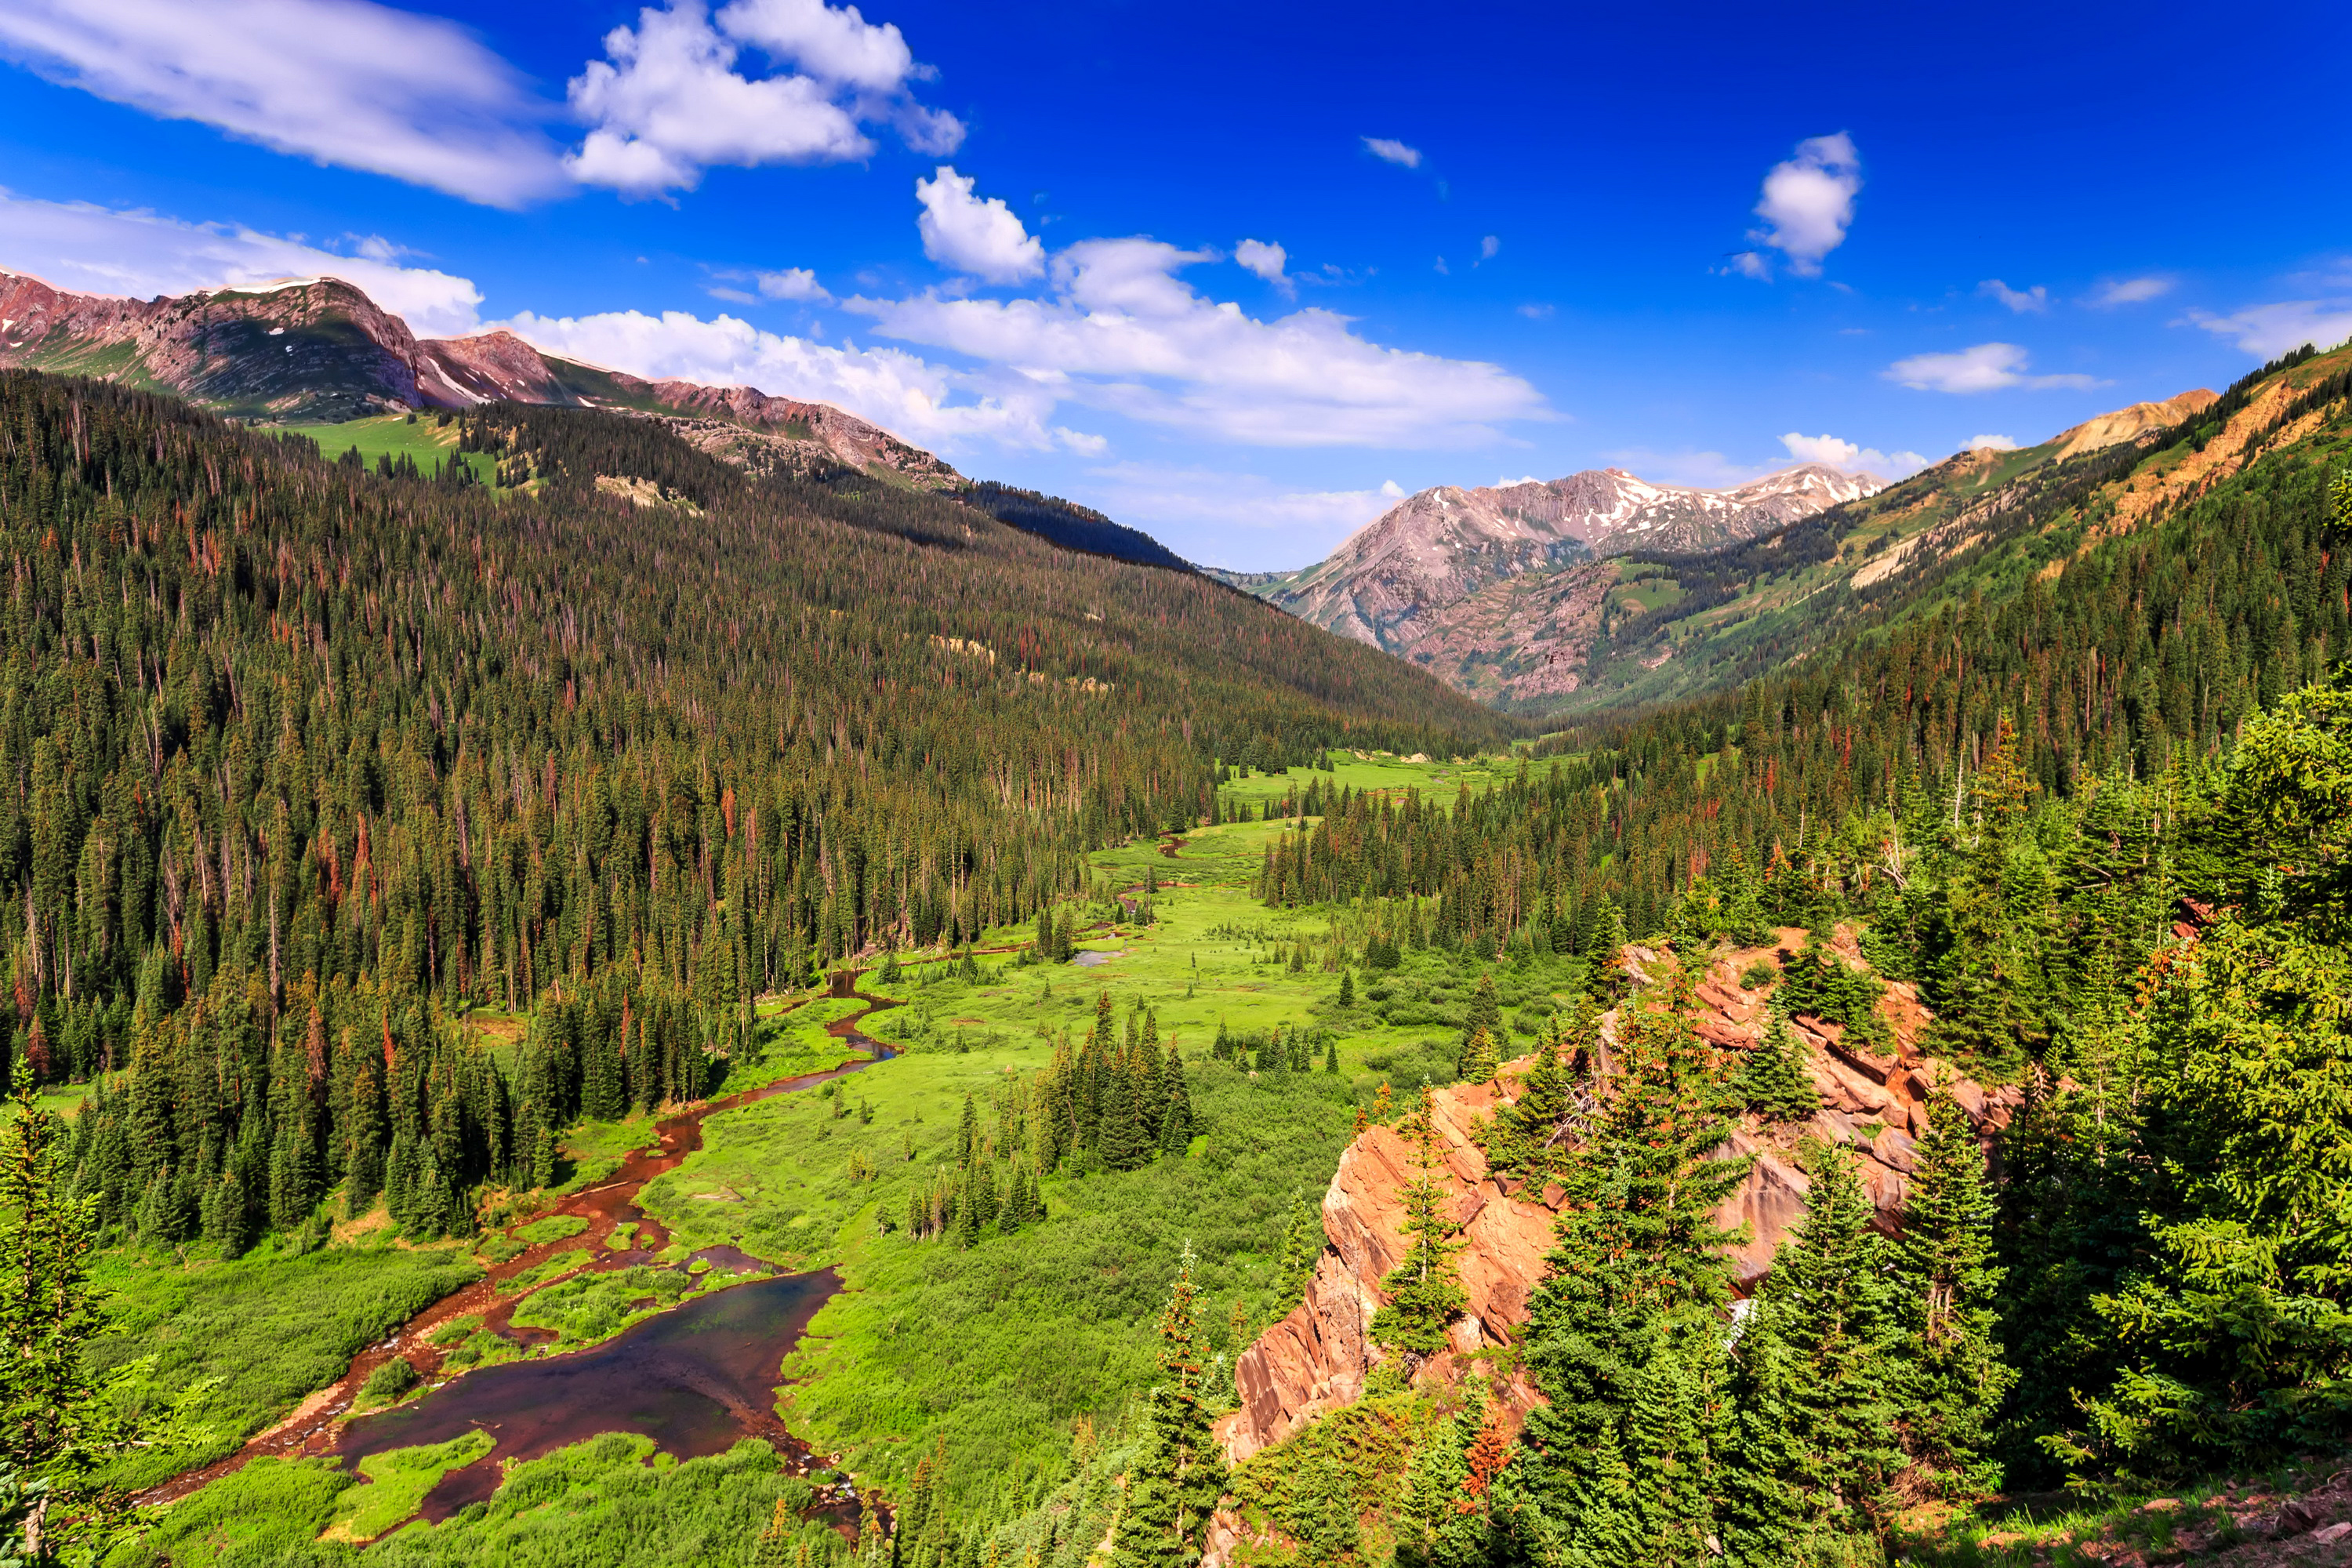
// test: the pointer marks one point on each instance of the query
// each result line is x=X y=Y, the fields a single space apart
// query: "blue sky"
x=1693 y=241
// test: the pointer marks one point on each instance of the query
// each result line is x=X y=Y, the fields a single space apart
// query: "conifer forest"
x=1100 y=1073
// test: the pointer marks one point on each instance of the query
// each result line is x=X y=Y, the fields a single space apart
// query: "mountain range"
x=1595 y=591
x=1603 y=589
x=318 y=350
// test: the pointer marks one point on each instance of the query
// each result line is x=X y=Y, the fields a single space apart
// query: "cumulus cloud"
x=1265 y=258
x=1392 y=152
x=1998 y=443
x=1489 y=247
x=1122 y=332
x=2035 y=300
x=1987 y=367
x=1807 y=206
x=1851 y=458
x=981 y=239
x=793 y=284
x=344 y=82
x=95 y=249
x=1278 y=525
x=2267 y=332
x=2129 y=292
x=895 y=389
x=1394 y=490
x=669 y=99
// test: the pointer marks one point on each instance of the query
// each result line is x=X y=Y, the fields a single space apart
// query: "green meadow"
x=396 y=436
x=1009 y=1355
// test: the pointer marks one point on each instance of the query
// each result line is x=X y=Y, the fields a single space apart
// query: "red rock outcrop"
x=1316 y=1359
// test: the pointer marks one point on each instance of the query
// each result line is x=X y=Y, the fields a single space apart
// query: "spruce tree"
x=1830 y=1302
x=1424 y=1290
x=1481 y=1061
x=1637 y=1269
x=1179 y=1475
x=1484 y=1014
x=1773 y=1081
x=1955 y=1379
x=59 y=1422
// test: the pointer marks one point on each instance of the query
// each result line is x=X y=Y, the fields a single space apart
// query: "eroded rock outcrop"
x=1316 y=1359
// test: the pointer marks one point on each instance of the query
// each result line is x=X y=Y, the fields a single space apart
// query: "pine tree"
x=1484 y=1014
x=1638 y=1269
x=59 y=1422
x=1176 y=1480
x=1346 y=988
x=1773 y=1081
x=1955 y=1378
x=1480 y=1062
x=1830 y=1302
x=1424 y=1290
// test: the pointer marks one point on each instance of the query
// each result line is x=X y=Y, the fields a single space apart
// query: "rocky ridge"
x=319 y=350
x=1317 y=1357
x=1441 y=546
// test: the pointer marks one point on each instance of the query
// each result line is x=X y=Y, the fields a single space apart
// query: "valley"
x=615 y=985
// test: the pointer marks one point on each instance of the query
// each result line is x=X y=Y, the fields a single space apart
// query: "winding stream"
x=695 y=1378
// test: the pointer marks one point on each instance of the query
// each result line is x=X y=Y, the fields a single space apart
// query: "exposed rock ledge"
x=1316 y=1358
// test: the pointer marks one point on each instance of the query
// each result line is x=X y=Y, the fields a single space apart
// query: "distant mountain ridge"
x=319 y=350
x=1392 y=579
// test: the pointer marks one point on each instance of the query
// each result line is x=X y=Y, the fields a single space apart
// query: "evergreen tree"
x=1485 y=1014
x=1179 y=1475
x=1637 y=1270
x=1831 y=1308
x=1480 y=1062
x=1773 y=1081
x=1424 y=1290
x=59 y=1422
x=1955 y=1378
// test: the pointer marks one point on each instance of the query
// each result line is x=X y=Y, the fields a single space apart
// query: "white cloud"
x=1123 y=333
x=2267 y=332
x=341 y=82
x=1392 y=152
x=1391 y=490
x=2130 y=291
x=1489 y=247
x=1807 y=203
x=1505 y=481
x=1987 y=367
x=1265 y=258
x=82 y=246
x=668 y=100
x=1751 y=264
x=832 y=45
x=892 y=388
x=793 y=284
x=1538 y=312
x=1998 y=443
x=1851 y=458
x=1309 y=523
x=982 y=239
x=2036 y=299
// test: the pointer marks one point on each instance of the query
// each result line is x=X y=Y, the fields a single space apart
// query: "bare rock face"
x=1316 y=1359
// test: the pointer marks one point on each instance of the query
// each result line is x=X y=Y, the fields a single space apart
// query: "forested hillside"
x=304 y=757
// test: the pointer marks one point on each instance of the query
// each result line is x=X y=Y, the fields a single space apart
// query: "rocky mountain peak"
x=1442 y=545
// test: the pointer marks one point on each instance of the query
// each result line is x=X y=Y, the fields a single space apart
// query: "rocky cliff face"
x=1439 y=547
x=319 y=350
x=1317 y=1357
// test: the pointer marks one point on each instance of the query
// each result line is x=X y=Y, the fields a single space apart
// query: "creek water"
x=695 y=1378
